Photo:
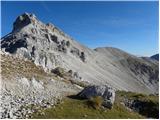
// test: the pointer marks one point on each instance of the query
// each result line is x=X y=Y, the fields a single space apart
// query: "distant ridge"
x=156 y=57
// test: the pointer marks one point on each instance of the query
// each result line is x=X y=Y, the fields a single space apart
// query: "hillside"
x=29 y=92
x=73 y=107
x=24 y=84
x=49 y=47
x=156 y=57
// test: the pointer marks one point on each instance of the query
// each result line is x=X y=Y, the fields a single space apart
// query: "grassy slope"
x=16 y=67
x=75 y=108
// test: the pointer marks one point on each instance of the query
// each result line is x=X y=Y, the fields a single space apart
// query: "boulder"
x=106 y=92
x=58 y=71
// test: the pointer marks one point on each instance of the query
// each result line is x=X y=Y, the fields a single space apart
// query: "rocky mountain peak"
x=49 y=47
x=44 y=44
x=23 y=20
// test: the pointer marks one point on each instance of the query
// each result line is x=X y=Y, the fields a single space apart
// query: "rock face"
x=104 y=91
x=49 y=47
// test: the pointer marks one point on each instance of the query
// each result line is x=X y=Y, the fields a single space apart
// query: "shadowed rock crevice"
x=13 y=46
x=22 y=21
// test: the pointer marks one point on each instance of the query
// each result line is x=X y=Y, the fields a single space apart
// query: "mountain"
x=49 y=47
x=156 y=57
x=41 y=65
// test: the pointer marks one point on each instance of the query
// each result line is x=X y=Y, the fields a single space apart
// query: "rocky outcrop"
x=68 y=75
x=38 y=42
x=23 y=20
x=107 y=93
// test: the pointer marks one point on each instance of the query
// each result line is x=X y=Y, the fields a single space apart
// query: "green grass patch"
x=79 y=108
x=76 y=108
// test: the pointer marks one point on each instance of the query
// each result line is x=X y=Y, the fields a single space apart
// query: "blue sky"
x=130 y=26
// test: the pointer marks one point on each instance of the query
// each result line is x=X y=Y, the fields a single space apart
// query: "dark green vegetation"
x=73 y=107
x=146 y=105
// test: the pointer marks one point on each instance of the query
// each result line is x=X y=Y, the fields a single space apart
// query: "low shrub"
x=95 y=102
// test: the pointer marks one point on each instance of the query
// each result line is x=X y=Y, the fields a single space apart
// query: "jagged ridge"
x=49 y=47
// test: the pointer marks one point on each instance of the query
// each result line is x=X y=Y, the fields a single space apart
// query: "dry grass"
x=96 y=102
x=11 y=66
